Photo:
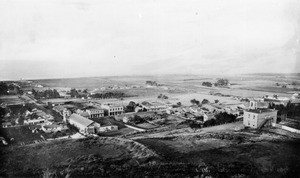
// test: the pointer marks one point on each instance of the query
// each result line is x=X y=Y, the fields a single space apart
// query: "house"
x=112 y=110
x=255 y=117
x=34 y=121
x=53 y=128
x=208 y=116
x=6 y=124
x=295 y=99
x=84 y=125
x=196 y=110
x=42 y=114
x=95 y=112
x=59 y=109
x=108 y=127
x=275 y=98
x=153 y=106
x=138 y=109
x=212 y=108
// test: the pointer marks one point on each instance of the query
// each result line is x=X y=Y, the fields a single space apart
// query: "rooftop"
x=260 y=110
x=81 y=120
x=154 y=103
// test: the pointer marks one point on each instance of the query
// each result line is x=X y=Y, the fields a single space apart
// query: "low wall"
x=286 y=128
x=135 y=128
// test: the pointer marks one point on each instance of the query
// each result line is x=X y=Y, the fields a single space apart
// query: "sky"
x=82 y=38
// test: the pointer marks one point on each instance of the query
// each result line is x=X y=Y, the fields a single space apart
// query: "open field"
x=11 y=100
x=183 y=88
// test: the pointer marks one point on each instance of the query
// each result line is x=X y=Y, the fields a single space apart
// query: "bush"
x=207 y=84
x=222 y=82
x=223 y=117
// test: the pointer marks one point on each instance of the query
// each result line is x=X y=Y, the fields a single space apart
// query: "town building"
x=153 y=106
x=112 y=110
x=255 y=117
x=84 y=125
x=34 y=121
x=95 y=113
x=6 y=124
x=208 y=116
x=108 y=128
x=53 y=128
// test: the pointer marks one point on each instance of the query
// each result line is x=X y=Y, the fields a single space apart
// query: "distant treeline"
x=109 y=95
x=220 y=83
x=9 y=89
x=290 y=110
x=45 y=94
x=151 y=83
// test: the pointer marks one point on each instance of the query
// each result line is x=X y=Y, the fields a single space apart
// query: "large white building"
x=84 y=125
x=255 y=117
x=112 y=110
x=95 y=113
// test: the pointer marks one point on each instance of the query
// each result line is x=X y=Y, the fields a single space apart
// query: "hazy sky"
x=78 y=38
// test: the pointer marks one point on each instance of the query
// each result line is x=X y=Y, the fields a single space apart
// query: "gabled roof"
x=59 y=108
x=81 y=120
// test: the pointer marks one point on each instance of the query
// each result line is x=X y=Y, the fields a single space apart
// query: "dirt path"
x=190 y=132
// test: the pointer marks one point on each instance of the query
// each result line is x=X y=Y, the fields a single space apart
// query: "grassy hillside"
x=209 y=154
x=89 y=156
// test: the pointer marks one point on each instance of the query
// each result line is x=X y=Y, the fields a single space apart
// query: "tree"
x=204 y=101
x=137 y=119
x=74 y=93
x=216 y=101
x=222 y=82
x=85 y=91
x=207 y=84
x=195 y=125
x=130 y=107
x=55 y=94
x=223 y=117
x=209 y=123
x=161 y=96
x=179 y=104
x=194 y=101
x=3 y=88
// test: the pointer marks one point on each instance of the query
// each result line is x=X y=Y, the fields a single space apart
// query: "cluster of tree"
x=130 y=107
x=109 y=95
x=222 y=82
x=161 y=96
x=224 y=117
x=196 y=102
x=72 y=128
x=74 y=93
x=137 y=119
x=290 y=110
x=9 y=89
x=221 y=118
x=45 y=94
x=151 y=83
x=207 y=84
x=283 y=85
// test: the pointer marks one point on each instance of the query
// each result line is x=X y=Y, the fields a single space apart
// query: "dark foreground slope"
x=208 y=154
